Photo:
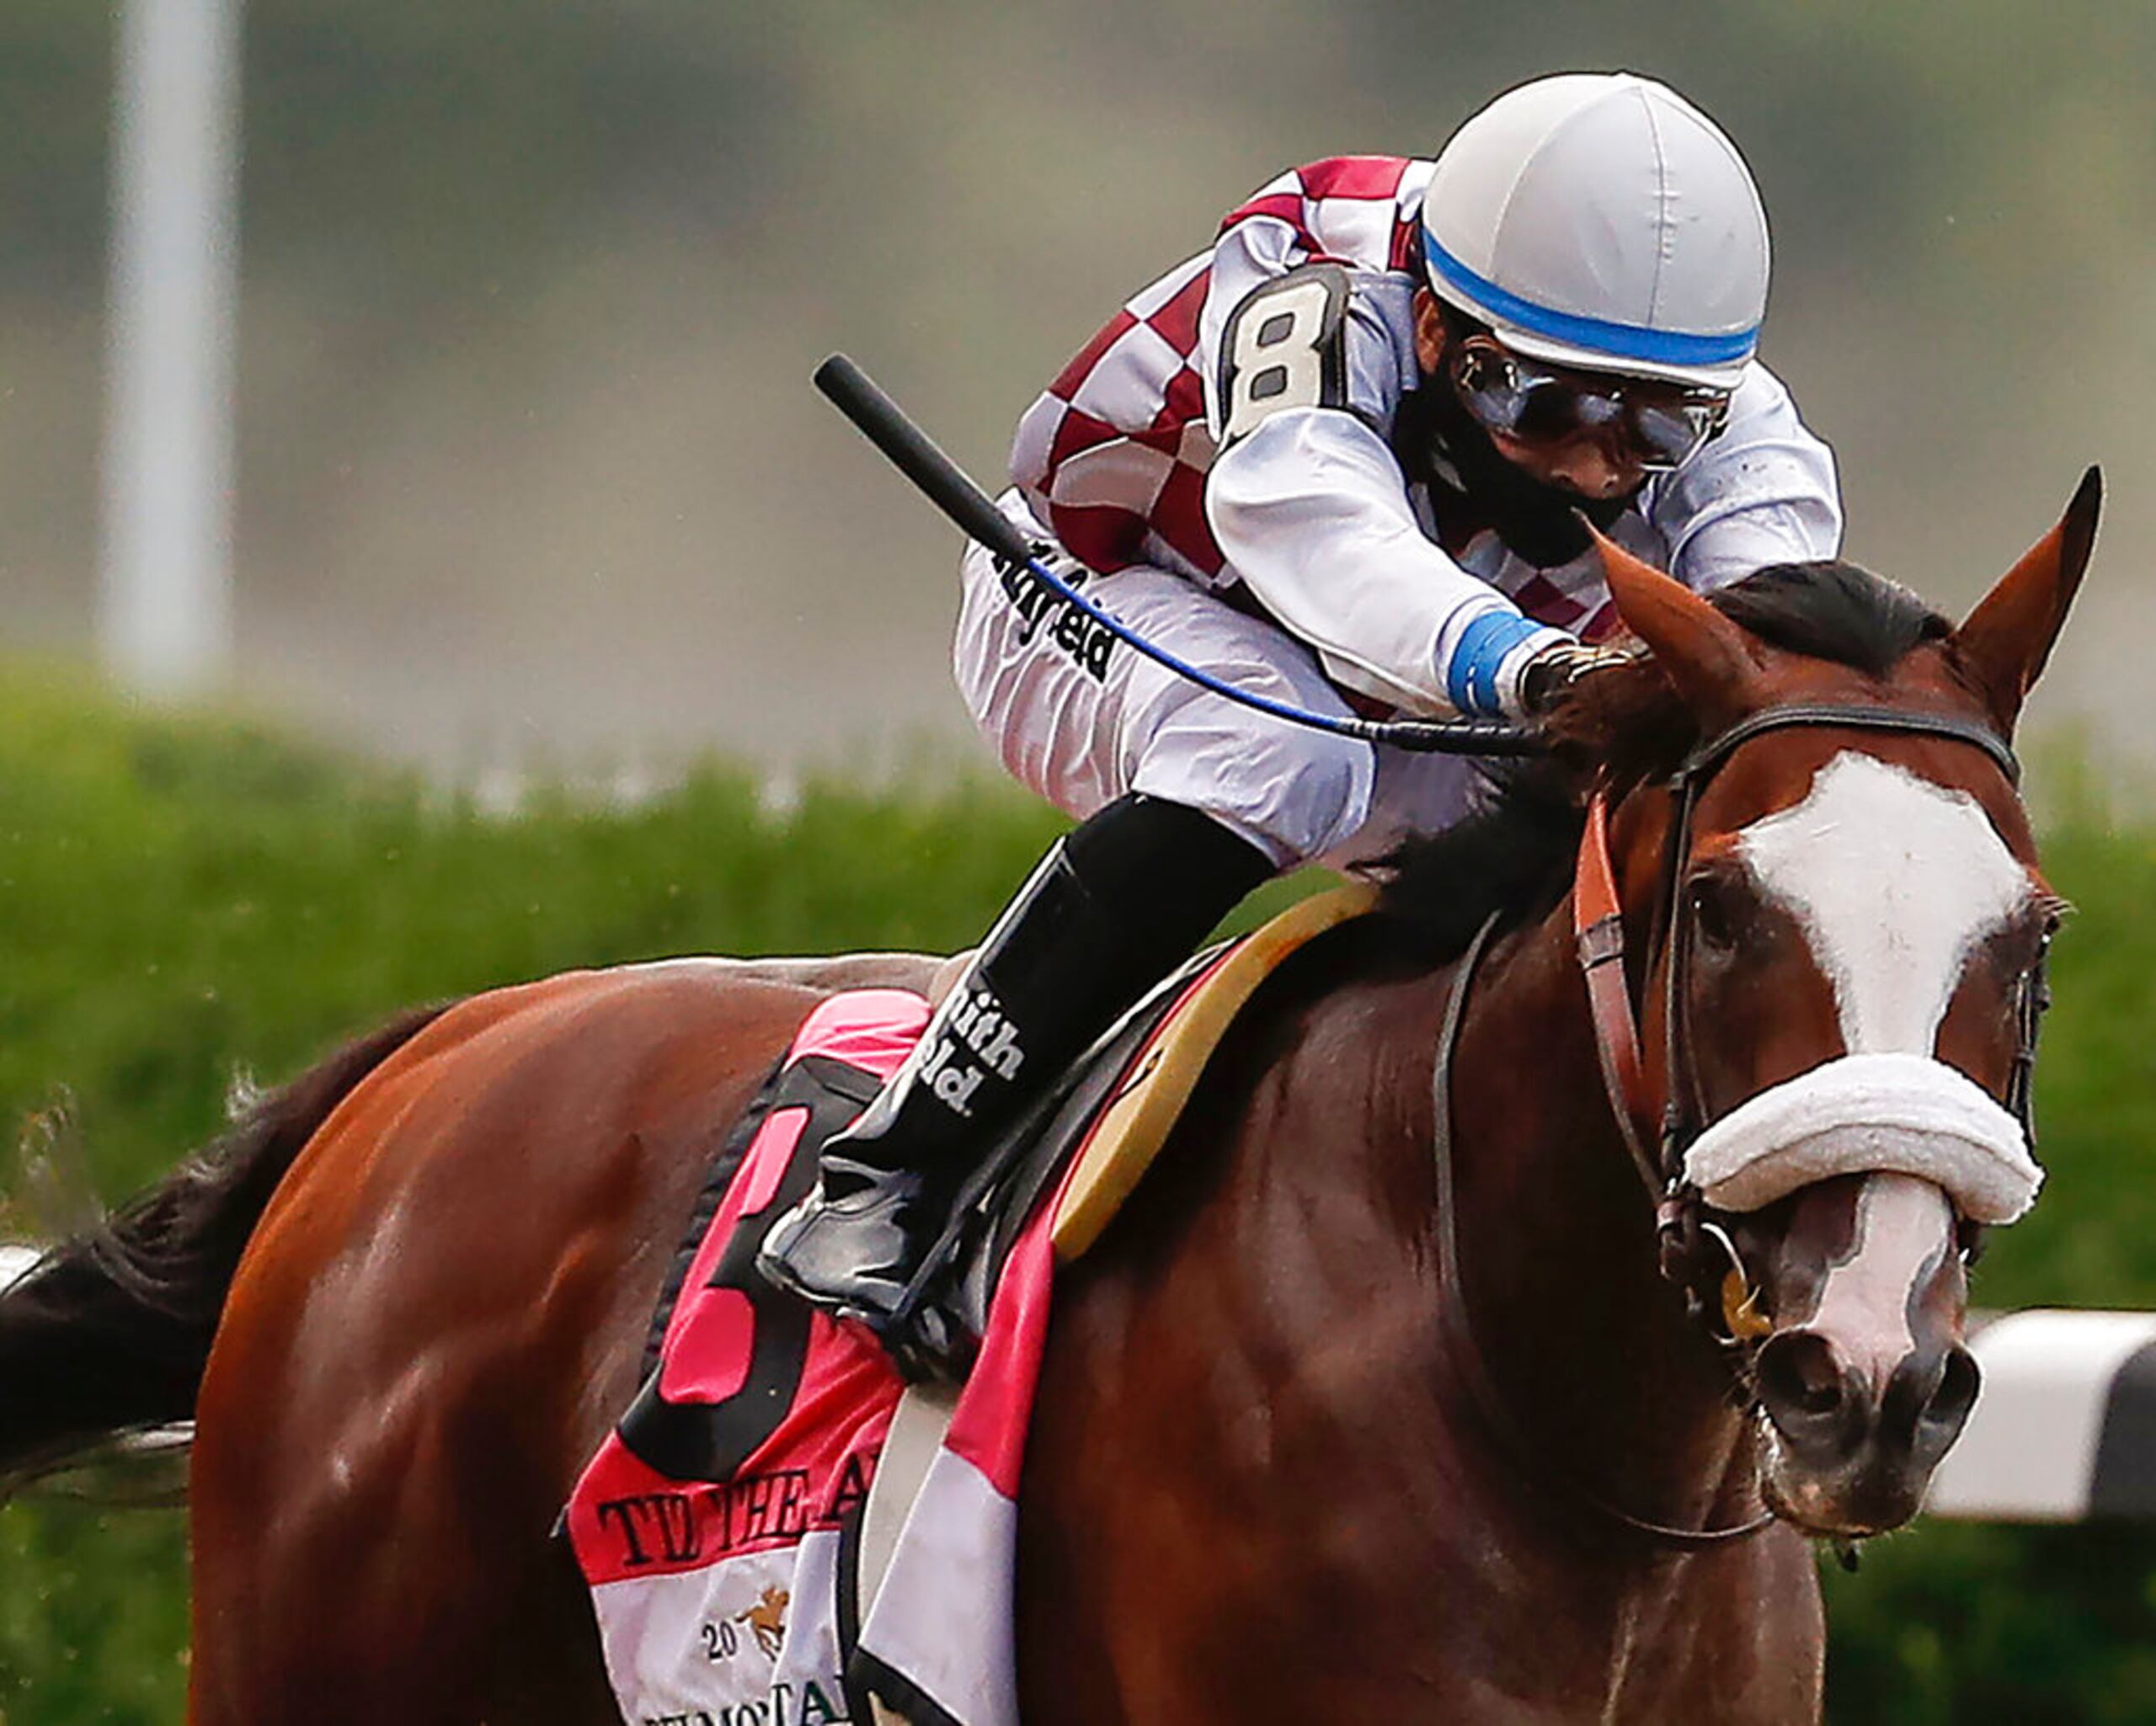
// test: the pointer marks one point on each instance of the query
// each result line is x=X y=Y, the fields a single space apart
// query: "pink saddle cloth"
x=718 y=1525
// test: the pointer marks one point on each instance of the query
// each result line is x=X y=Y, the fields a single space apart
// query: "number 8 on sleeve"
x=1283 y=347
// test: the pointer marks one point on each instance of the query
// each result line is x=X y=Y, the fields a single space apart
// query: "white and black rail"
x=2064 y=1429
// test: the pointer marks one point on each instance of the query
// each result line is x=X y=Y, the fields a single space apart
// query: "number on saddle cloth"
x=709 y=1440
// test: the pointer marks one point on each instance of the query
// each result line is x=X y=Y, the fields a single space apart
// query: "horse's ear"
x=2003 y=644
x=1711 y=660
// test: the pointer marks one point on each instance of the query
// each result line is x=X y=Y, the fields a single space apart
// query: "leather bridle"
x=1696 y=1251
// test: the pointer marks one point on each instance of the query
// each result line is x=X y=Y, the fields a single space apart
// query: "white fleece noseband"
x=1861 y=1114
x=1895 y=881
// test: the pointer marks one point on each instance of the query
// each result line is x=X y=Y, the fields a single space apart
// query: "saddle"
x=1091 y=1139
x=1086 y=1143
x=776 y=1471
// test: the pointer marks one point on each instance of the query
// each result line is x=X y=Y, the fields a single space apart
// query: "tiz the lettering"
x=680 y=1528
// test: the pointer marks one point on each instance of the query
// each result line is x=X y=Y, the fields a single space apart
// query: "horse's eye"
x=2028 y=963
x=1714 y=910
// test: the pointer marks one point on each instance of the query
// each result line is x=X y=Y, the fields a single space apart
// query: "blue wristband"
x=1471 y=679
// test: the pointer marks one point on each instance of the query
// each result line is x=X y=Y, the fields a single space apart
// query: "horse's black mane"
x=1833 y=610
x=1621 y=728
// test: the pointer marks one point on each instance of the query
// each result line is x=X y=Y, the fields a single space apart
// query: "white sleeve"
x=1311 y=509
x=1763 y=492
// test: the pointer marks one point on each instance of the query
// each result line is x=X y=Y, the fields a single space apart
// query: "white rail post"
x=164 y=611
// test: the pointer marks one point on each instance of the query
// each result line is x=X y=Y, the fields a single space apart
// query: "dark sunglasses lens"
x=1548 y=409
x=1487 y=386
x=1536 y=408
x=1667 y=435
x=1508 y=398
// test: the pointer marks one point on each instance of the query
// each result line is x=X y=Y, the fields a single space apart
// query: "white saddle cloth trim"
x=1864 y=1114
x=918 y=1425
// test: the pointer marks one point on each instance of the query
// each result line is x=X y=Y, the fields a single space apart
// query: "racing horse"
x=1423 y=1380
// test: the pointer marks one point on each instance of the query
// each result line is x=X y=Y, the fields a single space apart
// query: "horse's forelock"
x=1626 y=725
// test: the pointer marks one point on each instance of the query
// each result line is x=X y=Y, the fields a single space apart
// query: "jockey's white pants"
x=1083 y=719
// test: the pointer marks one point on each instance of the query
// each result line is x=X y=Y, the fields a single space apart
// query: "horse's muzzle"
x=1854 y=1437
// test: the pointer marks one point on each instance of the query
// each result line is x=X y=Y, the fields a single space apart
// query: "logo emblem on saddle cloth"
x=721 y=1526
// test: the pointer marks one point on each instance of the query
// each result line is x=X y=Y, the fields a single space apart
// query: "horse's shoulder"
x=1344 y=1025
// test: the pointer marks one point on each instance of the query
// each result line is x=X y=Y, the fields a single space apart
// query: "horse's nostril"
x=1928 y=1399
x=1957 y=1394
x=1801 y=1383
x=1820 y=1398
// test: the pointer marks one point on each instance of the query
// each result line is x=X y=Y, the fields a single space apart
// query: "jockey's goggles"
x=1662 y=427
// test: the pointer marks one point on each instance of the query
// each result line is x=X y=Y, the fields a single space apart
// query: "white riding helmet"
x=1599 y=221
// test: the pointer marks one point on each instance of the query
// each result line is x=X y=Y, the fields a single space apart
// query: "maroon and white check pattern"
x=1572 y=597
x=1113 y=456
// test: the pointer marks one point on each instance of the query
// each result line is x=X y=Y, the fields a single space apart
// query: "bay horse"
x=1377 y=1404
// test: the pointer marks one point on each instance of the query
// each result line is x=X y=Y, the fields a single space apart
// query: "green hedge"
x=180 y=896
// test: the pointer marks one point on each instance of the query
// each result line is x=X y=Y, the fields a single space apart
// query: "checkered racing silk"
x=1113 y=456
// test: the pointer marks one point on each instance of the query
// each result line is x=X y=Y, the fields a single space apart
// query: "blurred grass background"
x=179 y=896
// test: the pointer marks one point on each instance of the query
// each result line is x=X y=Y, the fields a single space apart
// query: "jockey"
x=1341 y=458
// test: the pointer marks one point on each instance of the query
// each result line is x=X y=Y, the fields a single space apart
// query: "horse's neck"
x=1586 y=1346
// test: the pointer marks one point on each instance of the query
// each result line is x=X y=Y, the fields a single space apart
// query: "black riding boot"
x=1115 y=905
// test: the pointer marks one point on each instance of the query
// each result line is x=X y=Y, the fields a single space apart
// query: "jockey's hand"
x=1555 y=669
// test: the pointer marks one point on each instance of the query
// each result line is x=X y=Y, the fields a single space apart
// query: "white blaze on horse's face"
x=1895 y=881
x=1902 y=1226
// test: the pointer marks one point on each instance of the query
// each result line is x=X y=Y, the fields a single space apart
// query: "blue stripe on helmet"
x=1472 y=678
x=1621 y=341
